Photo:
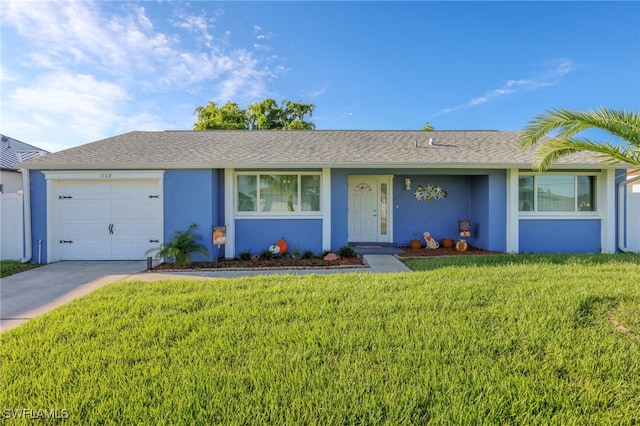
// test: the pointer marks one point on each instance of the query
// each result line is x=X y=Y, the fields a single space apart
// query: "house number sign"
x=104 y=175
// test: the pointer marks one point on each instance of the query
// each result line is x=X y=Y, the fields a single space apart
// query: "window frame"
x=576 y=212
x=298 y=212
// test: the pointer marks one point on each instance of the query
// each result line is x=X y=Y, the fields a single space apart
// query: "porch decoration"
x=431 y=242
x=331 y=257
x=464 y=227
x=280 y=247
x=447 y=242
x=461 y=245
x=415 y=244
x=429 y=193
x=219 y=235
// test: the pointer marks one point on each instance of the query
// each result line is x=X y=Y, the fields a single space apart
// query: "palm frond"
x=566 y=123
x=556 y=132
x=556 y=148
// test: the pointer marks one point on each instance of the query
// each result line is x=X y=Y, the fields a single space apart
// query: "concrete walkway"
x=31 y=293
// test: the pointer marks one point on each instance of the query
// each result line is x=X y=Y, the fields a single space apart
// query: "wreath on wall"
x=429 y=193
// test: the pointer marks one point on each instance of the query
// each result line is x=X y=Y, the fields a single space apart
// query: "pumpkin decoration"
x=447 y=242
x=280 y=247
x=415 y=244
x=461 y=245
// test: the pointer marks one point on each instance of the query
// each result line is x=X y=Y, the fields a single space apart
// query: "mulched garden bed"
x=316 y=262
x=443 y=251
x=277 y=263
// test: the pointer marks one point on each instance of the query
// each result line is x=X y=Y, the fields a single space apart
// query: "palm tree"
x=562 y=126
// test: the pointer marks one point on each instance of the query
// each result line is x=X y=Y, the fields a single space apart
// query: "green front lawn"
x=485 y=340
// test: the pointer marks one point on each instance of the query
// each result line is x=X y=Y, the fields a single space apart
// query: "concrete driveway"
x=31 y=293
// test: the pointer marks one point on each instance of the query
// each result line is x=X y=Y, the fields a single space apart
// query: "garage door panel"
x=79 y=231
x=131 y=231
x=85 y=250
x=134 y=209
x=140 y=189
x=84 y=189
x=75 y=210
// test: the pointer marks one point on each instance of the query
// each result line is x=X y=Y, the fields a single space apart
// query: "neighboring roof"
x=300 y=148
x=14 y=152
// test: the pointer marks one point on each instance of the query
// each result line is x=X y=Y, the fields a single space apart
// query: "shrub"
x=307 y=254
x=346 y=251
x=181 y=246
x=296 y=252
x=244 y=255
x=266 y=254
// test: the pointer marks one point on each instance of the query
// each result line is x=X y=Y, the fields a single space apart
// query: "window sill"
x=559 y=216
x=280 y=216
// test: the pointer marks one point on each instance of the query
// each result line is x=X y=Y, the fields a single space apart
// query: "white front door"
x=369 y=209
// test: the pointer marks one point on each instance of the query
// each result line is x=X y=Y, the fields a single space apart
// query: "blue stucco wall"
x=193 y=196
x=256 y=235
x=567 y=235
x=339 y=207
x=488 y=211
x=38 y=188
x=438 y=217
x=479 y=196
x=560 y=236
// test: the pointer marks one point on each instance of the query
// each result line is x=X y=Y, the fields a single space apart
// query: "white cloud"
x=77 y=104
x=550 y=75
x=243 y=80
x=7 y=76
x=143 y=121
x=197 y=24
x=79 y=34
x=83 y=67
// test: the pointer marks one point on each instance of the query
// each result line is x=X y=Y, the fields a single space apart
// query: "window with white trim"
x=278 y=193
x=557 y=193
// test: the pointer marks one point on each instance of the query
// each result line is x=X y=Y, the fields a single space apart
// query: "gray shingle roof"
x=14 y=151
x=315 y=148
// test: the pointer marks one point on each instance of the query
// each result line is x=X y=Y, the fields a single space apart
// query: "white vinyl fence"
x=633 y=221
x=11 y=220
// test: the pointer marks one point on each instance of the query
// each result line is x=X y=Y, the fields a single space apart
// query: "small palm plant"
x=182 y=245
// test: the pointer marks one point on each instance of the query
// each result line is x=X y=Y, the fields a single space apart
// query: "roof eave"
x=341 y=165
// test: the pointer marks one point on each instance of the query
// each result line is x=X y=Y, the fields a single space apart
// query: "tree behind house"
x=265 y=115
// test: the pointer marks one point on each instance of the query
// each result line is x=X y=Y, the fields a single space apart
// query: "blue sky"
x=76 y=72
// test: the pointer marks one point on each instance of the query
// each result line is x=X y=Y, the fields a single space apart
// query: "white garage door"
x=108 y=219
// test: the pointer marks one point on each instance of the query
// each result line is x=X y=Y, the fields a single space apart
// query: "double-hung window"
x=557 y=193
x=278 y=193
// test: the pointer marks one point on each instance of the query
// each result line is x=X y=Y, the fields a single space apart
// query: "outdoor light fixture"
x=432 y=141
x=407 y=184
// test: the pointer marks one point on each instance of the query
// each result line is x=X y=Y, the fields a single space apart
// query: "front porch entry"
x=370 y=208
